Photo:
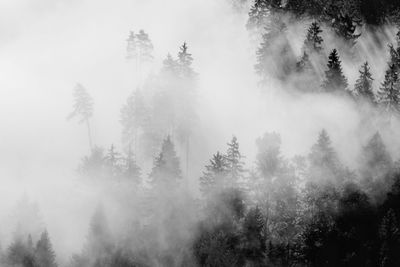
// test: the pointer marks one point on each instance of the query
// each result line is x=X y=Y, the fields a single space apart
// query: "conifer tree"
x=170 y=65
x=144 y=46
x=235 y=165
x=130 y=170
x=258 y=15
x=334 y=77
x=112 y=161
x=313 y=41
x=389 y=93
x=166 y=170
x=363 y=87
x=131 y=48
x=83 y=108
x=133 y=119
x=185 y=60
x=214 y=175
x=253 y=237
x=389 y=233
x=44 y=252
x=345 y=26
x=99 y=243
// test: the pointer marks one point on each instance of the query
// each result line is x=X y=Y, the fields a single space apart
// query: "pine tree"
x=166 y=170
x=275 y=57
x=112 y=161
x=253 y=237
x=99 y=243
x=322 y=153
x=324 y=164
x=363 y=87
x=258 y=15
x=83 y=108
x=313 y=42
x=144 y=46
x=235 y=165
x=131 y=48
x=334 y=77
x=389 y=93
x=170 y=65
x=130 y=170
x=44 y=252
x=389 y=233
x=134 y=115
x=92 y=166
x=214 y=175
x=185 y=60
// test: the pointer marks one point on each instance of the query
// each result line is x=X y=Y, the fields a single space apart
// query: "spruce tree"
x=83 y=108
x=389 y=93
x=334 y=77
x=134 y=115
x=130 y=170
x=166 y=168
x=235 y=165
x=112 y=161
x=258 y=15
x=389 y=234
x=214 y=175
x=144 y=46
x=131 y=48
x=170 y=65
x=44 y=252
x=313 y=42
x=185 y=60
x=363 y=87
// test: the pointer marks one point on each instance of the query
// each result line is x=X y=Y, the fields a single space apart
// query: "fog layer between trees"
x=219 y=133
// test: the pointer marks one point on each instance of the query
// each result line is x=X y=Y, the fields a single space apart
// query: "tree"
x=389 y=234
x=258 y=15
x=112 y=162
x=235 y=165
x=166 y=171
x=313 y=42
x=83 y=108
x=334 y=77
x=389 y=92
x=92 y=166
x=99 y=243
x=363 y=87
x=170 y=65
x=144 y=46
x=133 y=119
x=324 y=164
x=44 y=252
x=253 y=237
x=131 y=48
x=130 y=170
x=185 y=60
x=214 y=175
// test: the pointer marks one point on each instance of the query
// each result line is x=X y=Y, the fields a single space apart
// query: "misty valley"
x=214 y=133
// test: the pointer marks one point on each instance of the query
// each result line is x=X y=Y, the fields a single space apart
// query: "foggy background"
x=47 y=46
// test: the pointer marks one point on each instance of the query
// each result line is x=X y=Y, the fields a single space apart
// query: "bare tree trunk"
x=187 y=157
x=89 y=134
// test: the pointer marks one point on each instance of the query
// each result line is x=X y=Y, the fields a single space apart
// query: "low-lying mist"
x=195 y=133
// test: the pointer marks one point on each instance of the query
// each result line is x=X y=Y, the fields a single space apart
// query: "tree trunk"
x=89 y=135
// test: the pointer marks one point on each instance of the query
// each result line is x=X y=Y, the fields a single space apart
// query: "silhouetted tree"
x=363 y=87
x=44 y=252
x=334 y=77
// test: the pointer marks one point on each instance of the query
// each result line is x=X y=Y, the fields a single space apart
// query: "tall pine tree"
x=334 y=77
x=44 y=252
x=363 y=87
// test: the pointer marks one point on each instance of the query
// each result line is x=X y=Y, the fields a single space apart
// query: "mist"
x=48 y=47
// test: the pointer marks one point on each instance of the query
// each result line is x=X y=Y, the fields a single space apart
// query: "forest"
x=158 y=203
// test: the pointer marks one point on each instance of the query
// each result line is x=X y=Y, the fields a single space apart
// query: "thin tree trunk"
x=89 y=134
x=187 y=158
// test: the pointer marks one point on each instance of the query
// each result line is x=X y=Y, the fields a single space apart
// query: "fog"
x=46 y=47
